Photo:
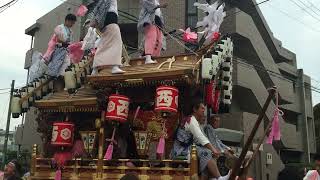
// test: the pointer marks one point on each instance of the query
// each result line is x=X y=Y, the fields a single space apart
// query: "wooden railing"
x=41 y=168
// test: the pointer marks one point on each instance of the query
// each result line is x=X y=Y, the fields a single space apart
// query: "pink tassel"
x=58 y=175
x=108 y=155
x=275 y=133
x=276 y=127
x=82 y=11
x=109 y=152
x=161 y=146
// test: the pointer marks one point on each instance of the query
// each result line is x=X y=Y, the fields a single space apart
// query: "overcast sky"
x=295 y=36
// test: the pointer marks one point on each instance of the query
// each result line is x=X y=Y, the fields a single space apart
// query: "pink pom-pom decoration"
x=82 y=11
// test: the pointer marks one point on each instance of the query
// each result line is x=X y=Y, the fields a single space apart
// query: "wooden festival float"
x=84 y=110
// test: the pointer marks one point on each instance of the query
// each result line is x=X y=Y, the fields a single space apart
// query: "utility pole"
x=5 y=146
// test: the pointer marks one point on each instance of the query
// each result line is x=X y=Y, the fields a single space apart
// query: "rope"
x=170 y=61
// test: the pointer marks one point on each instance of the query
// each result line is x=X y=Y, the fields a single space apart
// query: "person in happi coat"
x=150 y=24
x=109 y=50
x=188 y=133
x=57 y=52
x=210 y=131
x=314 y=174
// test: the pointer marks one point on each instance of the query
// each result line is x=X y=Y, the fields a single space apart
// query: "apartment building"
x=260 y=63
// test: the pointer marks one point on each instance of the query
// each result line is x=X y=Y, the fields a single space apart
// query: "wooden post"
x=6 y=135
x=34 y=160
x=100 y=150
x=255 y=152
x=236 y=168
x=193 y=162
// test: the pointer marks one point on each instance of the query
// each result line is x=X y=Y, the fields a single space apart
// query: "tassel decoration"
x=162 y=142
x=161 y=146
x=109 y=152
x=275 y=133
x=58 y=175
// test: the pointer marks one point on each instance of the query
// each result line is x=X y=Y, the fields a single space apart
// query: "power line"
x=309 y=7
x=314 y=6
x=304 y=9
x=6 y=6
x=251 y=10
x=294 y=18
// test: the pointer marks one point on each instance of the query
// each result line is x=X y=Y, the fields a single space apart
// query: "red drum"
x=62 y=134
x=118 y=108
x=167 y=99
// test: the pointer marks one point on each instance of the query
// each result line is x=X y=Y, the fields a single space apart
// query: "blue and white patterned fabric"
x=148 y=13
x=101 y=9
x=214 y=139
x=57 y=59
x=182 y=147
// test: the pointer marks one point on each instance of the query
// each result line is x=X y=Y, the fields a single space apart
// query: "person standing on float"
x=109 y=51
x=150 y=24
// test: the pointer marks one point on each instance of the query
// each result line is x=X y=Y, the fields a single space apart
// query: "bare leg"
x=202 y=177
x=213 y=169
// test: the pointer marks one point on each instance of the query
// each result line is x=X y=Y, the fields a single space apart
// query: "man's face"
x=199 y=113
x=216 y=122
x=69 y=24
x=9 y=169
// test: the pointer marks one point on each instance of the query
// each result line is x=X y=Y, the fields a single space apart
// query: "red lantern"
x=118 y=108
x=216 y=101
x=62 y=134
x=210 y=93
x=167 y=99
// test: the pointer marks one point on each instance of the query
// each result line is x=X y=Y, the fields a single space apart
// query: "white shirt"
x=113 y=6
x=195 y=130
x=312 y=175
x=158 y=11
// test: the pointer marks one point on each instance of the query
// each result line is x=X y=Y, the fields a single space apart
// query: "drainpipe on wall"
x=303 y=122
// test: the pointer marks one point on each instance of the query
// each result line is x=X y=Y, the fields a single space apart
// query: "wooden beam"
x=34 y=160
x=101 y=145
x=66 y=102
x=140 y=75
x=194 y=162
x=26 y=98
x=255 y=152
x=236 y=168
